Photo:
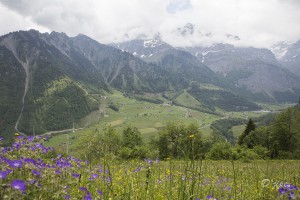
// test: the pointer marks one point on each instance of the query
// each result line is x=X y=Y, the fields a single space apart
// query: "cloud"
x=255 y=22
x=12 y=21
x=178 y=5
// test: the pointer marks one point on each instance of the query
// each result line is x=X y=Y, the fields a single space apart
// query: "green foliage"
x=262 y=152
x=260 y=136
x=57 y=108
x=220 y=151
x=109 y=144
x=224 y=151
x=12 y=79
x=244 y=154
x=132 y=144
x=131 y=137
x=105 y=144
x=180 y=141
x=223 y=127
x=113 y=106
x=281 y=138
x=249 y=127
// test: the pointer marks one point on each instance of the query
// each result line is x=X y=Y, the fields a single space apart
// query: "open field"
x=148 y=117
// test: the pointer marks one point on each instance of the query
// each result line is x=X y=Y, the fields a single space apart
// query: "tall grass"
x=31 y=171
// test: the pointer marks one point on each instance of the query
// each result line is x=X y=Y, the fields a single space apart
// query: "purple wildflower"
x=30 y=138
x=289 y=190
x=88 y=196
x=76 y=175
x=37 y=173
x=290 y=187
x=137 y=169
x=282 y=190
x=100 y=192
x=67 y=197
x=211 y=197
x=83 y=189
x=18 y=185
x=3 y=174
x=109 y=179
x=94 y=176
x=15 y=164
x=292 y=195
x=150 y=161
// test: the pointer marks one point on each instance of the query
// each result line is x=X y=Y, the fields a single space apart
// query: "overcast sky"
x=259 y=23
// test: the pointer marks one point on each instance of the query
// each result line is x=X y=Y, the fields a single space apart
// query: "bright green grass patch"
x=238 y=130
x=187 y=100
x=116 y=122
x=148 y=130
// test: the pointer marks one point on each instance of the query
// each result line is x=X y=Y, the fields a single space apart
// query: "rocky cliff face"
x=254 y=69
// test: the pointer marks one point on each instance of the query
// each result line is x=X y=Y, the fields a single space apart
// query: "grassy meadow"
x=32 y=169
x=148 y=117
x=29 y=170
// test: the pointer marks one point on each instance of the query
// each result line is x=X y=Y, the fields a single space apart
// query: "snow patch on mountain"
x=280 y=49
x=152 y=43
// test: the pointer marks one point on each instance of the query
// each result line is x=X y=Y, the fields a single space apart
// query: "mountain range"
x=49 y=81
x=256 y=73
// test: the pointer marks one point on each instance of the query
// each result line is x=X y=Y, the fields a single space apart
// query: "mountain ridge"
x=245 y=68
x=51 y=80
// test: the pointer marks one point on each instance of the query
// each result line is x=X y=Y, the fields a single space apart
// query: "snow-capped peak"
x=156 y=41
x=280 y=49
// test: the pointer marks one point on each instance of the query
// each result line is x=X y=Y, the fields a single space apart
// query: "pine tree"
x=249 y=127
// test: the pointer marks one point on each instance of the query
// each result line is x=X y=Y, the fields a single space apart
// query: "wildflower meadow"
x=29 y=170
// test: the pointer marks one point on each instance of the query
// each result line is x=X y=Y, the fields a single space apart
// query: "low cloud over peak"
x=252 y=23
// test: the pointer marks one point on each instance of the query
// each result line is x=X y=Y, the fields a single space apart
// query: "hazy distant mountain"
x=144 y=48
x=290 y=56
x=254 y=69
x=246 y=69
x=185 y=71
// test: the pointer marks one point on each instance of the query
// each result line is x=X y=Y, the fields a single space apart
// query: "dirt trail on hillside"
x=10 y=44
x=26 y=68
